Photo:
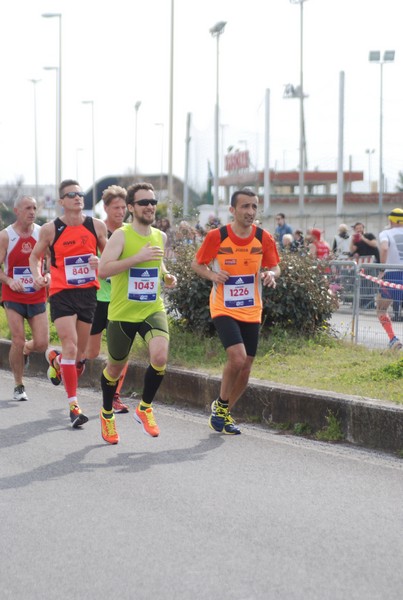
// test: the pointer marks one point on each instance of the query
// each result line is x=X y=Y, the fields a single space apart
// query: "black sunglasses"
x=146 y=202
x=72 y=195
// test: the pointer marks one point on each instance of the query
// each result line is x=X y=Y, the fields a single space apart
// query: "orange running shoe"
x=118 y=406
x=108 y=429
x=146 y=419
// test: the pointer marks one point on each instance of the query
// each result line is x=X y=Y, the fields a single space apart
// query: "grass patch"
x=303 y=429
x=332 y=431
x=322 y=363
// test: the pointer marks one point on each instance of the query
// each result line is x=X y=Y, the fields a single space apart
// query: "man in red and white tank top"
x=318 y=248
x=22 y=299
x=73 y=241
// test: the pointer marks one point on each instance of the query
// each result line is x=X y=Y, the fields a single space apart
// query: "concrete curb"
x=365 y=422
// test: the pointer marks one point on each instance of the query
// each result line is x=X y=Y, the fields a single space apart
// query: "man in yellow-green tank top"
x=133 y=259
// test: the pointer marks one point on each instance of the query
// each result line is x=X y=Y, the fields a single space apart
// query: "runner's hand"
x=169 y=281
x=269 y=279
x=148 y=253
x=220 y=277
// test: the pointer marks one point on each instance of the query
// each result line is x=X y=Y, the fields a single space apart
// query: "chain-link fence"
x=356 y=286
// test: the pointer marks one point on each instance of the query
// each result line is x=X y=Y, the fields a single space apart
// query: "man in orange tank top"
x=73 y=241
x=238 y=259
x=21 y=298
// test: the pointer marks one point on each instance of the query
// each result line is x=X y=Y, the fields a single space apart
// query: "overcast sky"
x=118 y=53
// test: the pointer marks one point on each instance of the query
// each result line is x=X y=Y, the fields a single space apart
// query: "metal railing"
x=356 y=286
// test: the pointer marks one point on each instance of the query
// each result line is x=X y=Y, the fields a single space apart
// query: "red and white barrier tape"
x=395 y=286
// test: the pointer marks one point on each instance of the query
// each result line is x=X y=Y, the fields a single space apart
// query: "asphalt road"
x=191 y=514
x=370 y=332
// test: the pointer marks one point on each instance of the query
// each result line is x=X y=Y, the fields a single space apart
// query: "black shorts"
x=232 y=332
x=120 y=335
x=80 y=302
x=26 y=310
x=100 y=320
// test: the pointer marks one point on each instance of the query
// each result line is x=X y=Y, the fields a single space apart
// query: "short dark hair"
x=65 y=184
x=135 y=187
x=242 y=192
x=282 y=215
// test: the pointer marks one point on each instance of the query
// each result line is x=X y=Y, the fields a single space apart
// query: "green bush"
x=300 y=303
x=188 y=302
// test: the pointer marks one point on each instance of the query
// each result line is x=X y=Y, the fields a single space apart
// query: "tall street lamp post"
x=136 y=108
x=34 y=82
x=59 y=101
x=301 y=182
x=57 y=155
x=216 y=31
x=162 y=155
x=170 y=185
x=369 y=151
x=375 y=56
x=94 y=181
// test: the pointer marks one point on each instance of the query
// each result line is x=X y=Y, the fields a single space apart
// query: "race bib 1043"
x=143 y=284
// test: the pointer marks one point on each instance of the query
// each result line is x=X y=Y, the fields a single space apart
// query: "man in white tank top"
x=391 y=252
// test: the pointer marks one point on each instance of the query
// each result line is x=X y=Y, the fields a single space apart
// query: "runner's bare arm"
x=40 y=250
x=102 y=233
x=3 y=251
x=207 y=273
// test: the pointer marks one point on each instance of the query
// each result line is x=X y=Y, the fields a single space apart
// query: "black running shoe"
x=217 y=417
x=77 y=418
x=230 y=428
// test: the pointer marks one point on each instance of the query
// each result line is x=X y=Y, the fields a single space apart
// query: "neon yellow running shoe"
x=54 y=373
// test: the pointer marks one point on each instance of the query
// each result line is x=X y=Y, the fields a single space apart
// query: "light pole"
x=34 y=82
x=301 y=182
x=57 y=156
x=170 y=185
x=162 y=155
x=136 y=108
x=216 y=31
x=222 y=127
x=266 y=176
x=94 y=182
x=59 y=102
x=369 y=151
x=186 y=178
x=375 y=56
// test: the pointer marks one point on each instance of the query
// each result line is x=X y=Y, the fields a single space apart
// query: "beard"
x=145 y=219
